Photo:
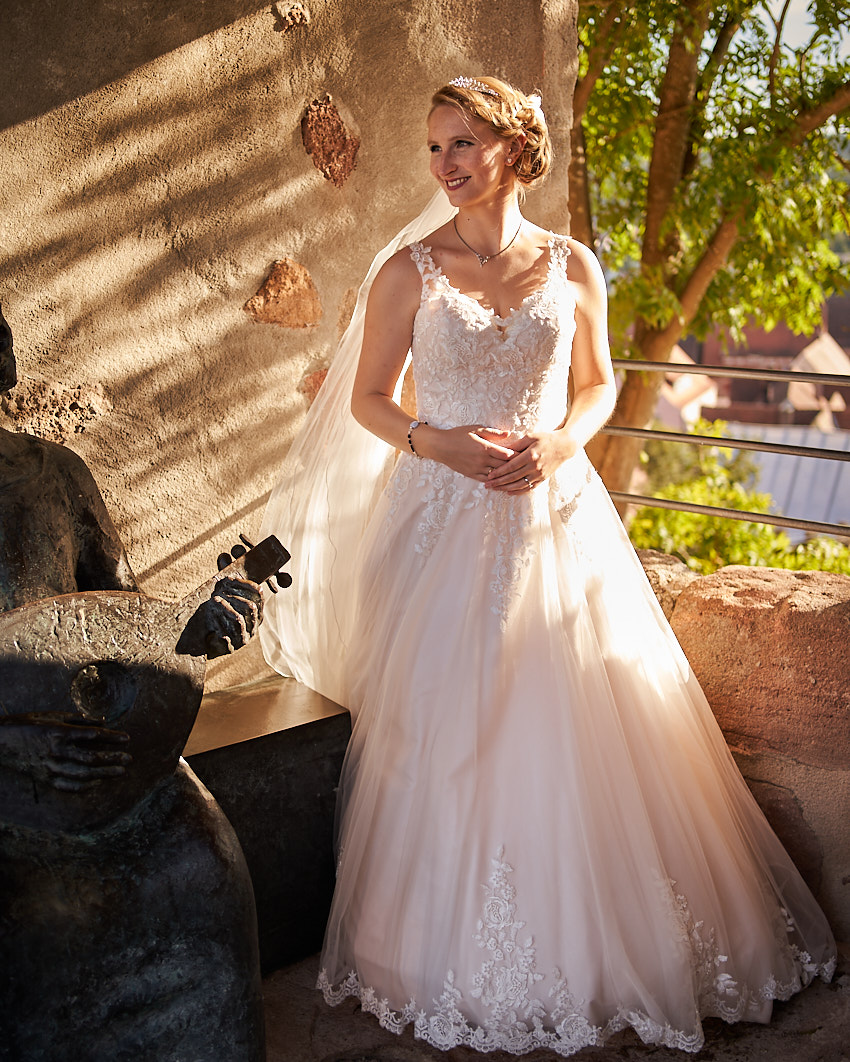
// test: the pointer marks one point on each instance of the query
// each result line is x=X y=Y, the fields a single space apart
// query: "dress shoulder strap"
x=559 y=250
x=421 y=255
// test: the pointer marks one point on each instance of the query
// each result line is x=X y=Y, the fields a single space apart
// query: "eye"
x=433 y=148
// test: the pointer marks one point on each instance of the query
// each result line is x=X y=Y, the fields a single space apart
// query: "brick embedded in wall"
x=287 y=297
x=288 y=16
x=310 y=384
x=328 y=143
x=53 y=410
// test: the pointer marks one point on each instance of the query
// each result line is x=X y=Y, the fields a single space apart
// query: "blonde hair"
x=508 y=112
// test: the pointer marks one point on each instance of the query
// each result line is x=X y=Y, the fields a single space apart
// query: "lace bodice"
x=470 y=365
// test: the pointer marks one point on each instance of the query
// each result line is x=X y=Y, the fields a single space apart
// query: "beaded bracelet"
x=414 y=424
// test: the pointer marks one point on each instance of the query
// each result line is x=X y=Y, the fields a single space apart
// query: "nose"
x=445 y=165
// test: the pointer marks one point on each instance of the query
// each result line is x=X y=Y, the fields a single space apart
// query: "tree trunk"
x=581 y=220
x=616 y=457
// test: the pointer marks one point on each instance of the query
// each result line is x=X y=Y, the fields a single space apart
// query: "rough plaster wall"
x=154 y=172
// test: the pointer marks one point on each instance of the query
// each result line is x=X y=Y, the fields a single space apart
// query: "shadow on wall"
x=181 y=364
x=154 y=170
x=70 y=60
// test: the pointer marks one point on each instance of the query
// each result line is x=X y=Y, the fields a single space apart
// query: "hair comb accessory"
x=475 y=84
x=536 y=104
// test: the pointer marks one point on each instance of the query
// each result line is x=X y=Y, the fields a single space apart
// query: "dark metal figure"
x=127 y=926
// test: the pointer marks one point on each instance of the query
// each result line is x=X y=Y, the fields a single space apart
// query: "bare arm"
x=540 y=454
x=388 y=331
x=593 y=375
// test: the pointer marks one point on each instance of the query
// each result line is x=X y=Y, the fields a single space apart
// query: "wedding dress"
x=543 y=838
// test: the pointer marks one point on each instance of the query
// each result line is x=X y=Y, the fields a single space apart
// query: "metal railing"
x=814 y=452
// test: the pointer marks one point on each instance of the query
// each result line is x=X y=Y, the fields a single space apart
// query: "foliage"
x=745 y=154
x=709 y=168
x=668 y=464
x=711 y=475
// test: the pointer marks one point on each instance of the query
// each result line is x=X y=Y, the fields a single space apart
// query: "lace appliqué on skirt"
x=441 y=493
x=520 y=1022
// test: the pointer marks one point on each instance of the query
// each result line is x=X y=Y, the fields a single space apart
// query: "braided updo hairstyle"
x=508 y=113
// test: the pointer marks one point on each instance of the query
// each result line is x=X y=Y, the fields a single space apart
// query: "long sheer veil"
x=329 y=483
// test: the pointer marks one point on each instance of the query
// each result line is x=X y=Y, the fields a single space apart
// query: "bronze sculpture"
x=127 y=926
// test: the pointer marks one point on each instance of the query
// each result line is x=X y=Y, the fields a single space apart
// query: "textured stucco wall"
x=154 y=170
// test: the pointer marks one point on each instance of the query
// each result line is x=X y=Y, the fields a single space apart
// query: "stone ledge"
x=270 y=752
x=256 y=710
x=770 y=650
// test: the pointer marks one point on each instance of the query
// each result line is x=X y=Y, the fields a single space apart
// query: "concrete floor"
x=814 y=1026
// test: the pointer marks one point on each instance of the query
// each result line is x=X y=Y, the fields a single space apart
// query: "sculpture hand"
x=232 y=616
x=63 y=752
x=274 y=582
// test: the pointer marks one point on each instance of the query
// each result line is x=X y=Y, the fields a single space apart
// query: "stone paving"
x=814 y=1026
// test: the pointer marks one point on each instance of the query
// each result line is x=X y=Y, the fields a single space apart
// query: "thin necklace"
x=483 y=259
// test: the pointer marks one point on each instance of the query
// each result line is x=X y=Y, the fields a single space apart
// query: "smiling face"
x=468 y=157
x=8 y=370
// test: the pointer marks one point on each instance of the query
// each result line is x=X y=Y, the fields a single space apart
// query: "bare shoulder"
x=584 y=265
x=397 y=279
x=585 y=273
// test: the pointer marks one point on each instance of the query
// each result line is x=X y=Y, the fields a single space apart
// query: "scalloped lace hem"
x=570 y=1030
x=519 y=1021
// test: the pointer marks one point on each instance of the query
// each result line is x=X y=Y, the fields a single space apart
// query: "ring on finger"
x=527 y=480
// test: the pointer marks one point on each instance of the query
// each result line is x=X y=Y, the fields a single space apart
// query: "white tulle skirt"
x=543 y=836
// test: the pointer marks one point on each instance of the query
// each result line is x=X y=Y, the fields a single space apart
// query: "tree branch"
x=713 y=259
x=778 y=25
x=813 y=118
x=673 y=123
x=719 y=247
x=608 y=36
x=731 y=25
x=578 y=187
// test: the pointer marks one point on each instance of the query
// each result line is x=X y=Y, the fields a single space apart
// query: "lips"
x=455 y=183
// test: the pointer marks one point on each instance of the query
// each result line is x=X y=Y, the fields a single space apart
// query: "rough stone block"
x=770 y=650
x=288 y=297
x=328 y=143
x=668 y=577
x=783 y=811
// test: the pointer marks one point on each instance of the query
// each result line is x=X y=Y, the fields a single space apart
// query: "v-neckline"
x=490 y=313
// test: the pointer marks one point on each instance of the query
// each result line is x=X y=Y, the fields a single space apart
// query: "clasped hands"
x=60 y=749
x=502 y=460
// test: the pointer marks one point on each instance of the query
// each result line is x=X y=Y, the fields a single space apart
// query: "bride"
x=543 y=838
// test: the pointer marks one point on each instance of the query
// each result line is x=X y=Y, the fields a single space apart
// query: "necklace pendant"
x=483 y=259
